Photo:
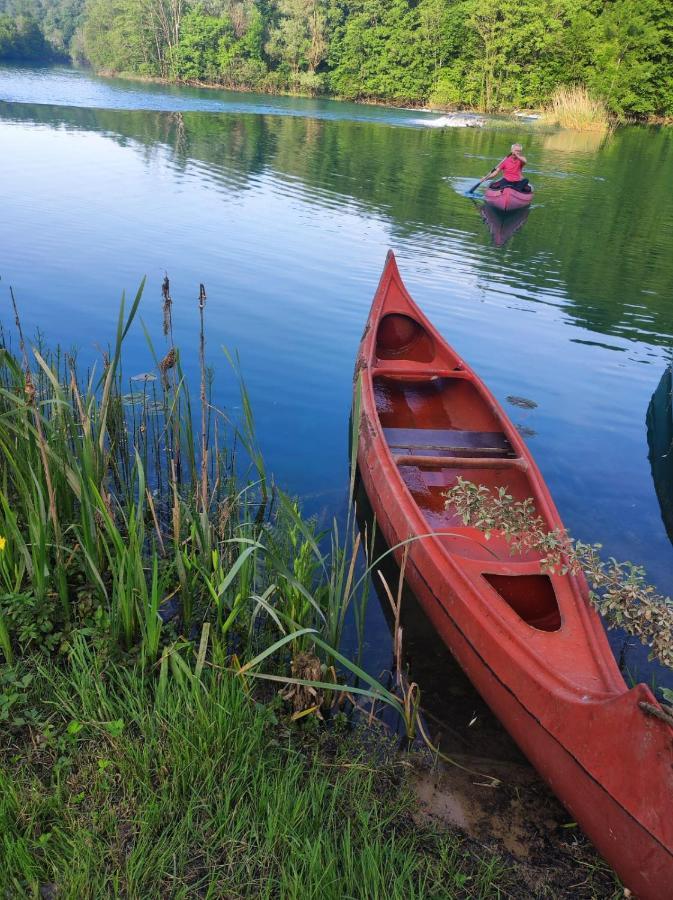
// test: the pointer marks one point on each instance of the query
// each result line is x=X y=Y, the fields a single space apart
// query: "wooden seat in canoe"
x=448 y=442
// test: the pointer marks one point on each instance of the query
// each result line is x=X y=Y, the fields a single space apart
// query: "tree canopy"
x=488 y=54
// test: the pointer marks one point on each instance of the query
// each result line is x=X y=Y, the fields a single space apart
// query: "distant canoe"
x=529 y=641
x=507 y=198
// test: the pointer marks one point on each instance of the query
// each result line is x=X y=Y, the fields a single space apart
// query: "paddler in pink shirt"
x=512 y=171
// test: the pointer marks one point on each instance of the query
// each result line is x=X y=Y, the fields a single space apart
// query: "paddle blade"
x=474 y=187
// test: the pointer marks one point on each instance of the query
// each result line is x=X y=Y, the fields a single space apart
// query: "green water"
x=285 y=208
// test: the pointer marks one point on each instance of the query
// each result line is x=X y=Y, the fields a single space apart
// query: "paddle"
x=481 y=180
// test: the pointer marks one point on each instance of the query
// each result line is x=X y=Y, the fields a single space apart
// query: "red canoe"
x=529 y=642
x=507 y=198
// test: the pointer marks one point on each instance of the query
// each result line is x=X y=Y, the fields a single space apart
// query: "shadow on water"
x=660 y=443
x=458 y=720
x=502 y=226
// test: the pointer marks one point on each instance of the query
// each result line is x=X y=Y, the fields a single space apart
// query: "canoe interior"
x=432 y=403
x=442 y=427
x=531 y=597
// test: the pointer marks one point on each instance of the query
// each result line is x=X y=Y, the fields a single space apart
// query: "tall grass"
x=111 y=506
x=573 y=107
x=195 y=792
x=126 y=524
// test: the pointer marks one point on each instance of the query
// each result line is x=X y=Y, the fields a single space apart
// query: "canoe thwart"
x=448 y=442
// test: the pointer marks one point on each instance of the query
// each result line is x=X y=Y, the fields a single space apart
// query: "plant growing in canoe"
x=618 y=590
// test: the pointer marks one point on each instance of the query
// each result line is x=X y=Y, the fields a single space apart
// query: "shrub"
x=573 y=107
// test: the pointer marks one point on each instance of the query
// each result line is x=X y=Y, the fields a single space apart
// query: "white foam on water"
x=453 y=120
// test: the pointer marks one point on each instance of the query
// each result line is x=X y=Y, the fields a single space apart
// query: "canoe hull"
x=508 y=199
x=609 y=763
x=642 y=863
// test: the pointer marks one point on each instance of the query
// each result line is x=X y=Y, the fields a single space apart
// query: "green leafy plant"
x=618 y=590
x=15 y=697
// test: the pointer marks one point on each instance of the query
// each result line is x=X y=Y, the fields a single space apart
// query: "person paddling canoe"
x=512 y=172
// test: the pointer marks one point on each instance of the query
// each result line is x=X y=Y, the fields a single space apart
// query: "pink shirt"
x=512 y=168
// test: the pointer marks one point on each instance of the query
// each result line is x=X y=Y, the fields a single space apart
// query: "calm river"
x=284 y=208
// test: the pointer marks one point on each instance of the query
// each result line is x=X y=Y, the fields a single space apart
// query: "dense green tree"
x=379 y=52
x=133 y=35
x=298 y=36
x=490 y=54
x=58 y=19
x=632 y=62
x=117 y=38
x=22 y=40
x=221 y=43
x=197 y=56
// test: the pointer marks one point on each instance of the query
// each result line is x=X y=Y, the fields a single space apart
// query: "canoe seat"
x=448 y=442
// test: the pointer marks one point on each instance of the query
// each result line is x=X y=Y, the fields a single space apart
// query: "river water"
x=284 y=208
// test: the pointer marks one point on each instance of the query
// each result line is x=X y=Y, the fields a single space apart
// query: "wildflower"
x=3 y=542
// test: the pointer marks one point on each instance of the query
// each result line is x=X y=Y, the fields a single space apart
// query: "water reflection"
x=287 y=220
x=660 y=443
x=502 y=226
x=391 y=172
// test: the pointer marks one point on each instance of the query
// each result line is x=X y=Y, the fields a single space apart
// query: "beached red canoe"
x=529 y=642
x=508 y=199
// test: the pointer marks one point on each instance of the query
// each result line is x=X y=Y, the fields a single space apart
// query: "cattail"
x=168 y=305
x=166 y=364
x=29 y=389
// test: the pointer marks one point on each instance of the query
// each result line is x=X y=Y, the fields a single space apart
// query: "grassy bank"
x=152 y=580
x=116 y=788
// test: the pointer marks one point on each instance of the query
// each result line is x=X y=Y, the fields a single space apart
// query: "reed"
x=573 y=107
x=165 y=527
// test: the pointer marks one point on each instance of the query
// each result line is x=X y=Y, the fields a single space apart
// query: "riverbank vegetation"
x=574 y=108
x=156 y=589
x=480 y=54
x=117 y=786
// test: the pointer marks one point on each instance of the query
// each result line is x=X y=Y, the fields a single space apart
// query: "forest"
x=482 y=54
